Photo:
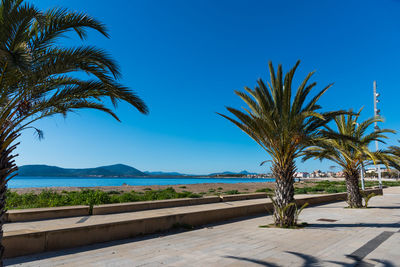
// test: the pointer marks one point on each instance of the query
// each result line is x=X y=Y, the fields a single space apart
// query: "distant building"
x=331 y=174
x=371 y=170
x=340 y=174
x=301 y=175
x=317 y=174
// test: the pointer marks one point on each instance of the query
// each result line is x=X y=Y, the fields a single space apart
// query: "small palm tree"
x=283 y=127
x=348 y=147
x=394 y=151
x=38 y=76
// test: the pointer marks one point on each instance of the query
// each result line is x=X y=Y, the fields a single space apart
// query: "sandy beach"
x=208 y=188
x=195 y=188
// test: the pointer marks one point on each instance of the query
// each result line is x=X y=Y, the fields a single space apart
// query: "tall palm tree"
x=394 y=151
x=348 y=147
x=39 y=76
x=283 y=127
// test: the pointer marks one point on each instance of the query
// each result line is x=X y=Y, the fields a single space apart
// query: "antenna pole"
x=376 y=115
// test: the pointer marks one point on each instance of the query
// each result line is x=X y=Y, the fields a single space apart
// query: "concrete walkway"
x=335 y=237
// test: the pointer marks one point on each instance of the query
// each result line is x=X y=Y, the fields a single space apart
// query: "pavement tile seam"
x=371 y=245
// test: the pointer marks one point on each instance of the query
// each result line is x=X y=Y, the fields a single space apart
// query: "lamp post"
x=376 y=115
x=362 y=170
x=362 y=177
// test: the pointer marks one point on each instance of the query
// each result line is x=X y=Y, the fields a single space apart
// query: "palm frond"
x=281 y=125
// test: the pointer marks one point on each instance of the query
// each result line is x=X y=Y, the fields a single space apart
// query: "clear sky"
x=185 y=59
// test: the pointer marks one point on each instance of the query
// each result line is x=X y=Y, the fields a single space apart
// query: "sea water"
x=36 y=181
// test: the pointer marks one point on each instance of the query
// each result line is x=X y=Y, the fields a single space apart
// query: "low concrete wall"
x=159 y=204
x=25 y=242
x=73 y=211
x=46 y=213
x=321 y=199
x=149 y=205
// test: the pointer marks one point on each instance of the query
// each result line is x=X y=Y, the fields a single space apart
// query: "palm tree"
x=39 y=76
x=283 y=127
x=348 y=147
x=394 y=151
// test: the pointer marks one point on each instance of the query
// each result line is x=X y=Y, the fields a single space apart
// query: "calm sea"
x=34 y=181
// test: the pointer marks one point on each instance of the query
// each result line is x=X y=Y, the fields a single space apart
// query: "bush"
x=232 y=192
x=48 y=198
x=266 y=190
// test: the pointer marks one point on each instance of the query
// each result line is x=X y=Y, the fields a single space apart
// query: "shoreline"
x=195 y=188
x=247 y=187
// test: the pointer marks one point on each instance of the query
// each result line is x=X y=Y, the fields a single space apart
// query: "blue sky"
x=185 y=59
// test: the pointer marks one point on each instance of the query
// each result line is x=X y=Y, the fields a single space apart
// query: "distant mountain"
x=232 y=173
x=117 y=170
x=165 y=174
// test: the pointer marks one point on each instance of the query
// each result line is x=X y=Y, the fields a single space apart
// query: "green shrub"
x=266 y=190
x=113 y=192
x=48 y=198
x=302 y=190
x=367 y=198
x=232 y=192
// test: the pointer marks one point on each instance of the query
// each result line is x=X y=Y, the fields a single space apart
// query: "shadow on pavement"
x=69 y=251
x=64 y=252
x=382 y=207
x=260 y=262
x=384 y=263
x=310 y=261
x=336 y=225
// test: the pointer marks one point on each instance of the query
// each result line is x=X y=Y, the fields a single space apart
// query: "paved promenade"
x=335 y=237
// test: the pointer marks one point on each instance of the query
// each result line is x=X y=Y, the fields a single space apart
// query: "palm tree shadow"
x=384 y=263
x=384 y=207
x=260 y=262
x=311 y=261
x=358 y=262
x=339 y=225
x=308 y=260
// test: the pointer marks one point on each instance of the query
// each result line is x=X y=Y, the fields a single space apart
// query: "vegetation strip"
x=24 y=215
x=48 y=198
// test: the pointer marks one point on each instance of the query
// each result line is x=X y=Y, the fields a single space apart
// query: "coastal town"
x=368 y=173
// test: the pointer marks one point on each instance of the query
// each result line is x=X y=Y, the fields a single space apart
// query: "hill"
x=117 y=170
x=227 y=173
x=162 y=174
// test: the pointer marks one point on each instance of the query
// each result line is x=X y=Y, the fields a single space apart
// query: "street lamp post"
x=362 y=177
x=376 y=115
x=362 y=171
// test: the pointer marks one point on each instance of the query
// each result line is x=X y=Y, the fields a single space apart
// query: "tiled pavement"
x=361 y=237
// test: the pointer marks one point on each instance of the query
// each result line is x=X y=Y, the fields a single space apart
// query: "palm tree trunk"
x=7 y=171
x=354 y=198
x=3 y=190
x=284 y=194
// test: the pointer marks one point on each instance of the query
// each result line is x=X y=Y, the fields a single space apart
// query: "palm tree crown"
x=348 y=147
x=394 y=151
x=41 y=78
x=283 y=126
